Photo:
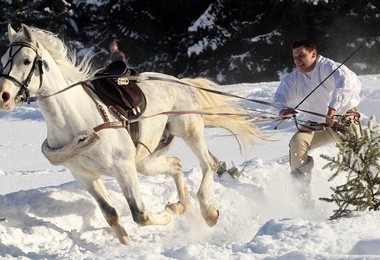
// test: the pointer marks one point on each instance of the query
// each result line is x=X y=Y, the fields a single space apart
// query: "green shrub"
x=359 y=160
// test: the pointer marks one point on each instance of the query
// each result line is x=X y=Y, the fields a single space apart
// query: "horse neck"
x=67 y=113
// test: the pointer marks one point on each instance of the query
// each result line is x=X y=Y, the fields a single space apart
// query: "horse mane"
x=65 y=58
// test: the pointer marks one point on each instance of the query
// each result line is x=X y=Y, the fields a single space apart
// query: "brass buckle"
x=123 y=81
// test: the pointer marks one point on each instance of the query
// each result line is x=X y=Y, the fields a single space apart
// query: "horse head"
x=22 y=68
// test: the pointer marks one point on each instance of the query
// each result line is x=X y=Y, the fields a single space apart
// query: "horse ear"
x=11 y=33
x=26 y=31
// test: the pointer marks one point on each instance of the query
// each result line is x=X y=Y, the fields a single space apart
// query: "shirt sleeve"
x=346 y=83
x=285 y=93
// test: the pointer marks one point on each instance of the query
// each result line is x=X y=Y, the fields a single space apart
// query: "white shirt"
x=340 y=91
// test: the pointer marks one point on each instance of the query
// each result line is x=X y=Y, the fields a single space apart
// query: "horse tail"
x=235 y=120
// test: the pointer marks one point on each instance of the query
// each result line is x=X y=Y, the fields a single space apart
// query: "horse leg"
x=96 y=188
x=129 y=184
x=154 y=165
x=209 y=164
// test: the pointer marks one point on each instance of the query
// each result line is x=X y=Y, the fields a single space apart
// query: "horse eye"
x=27 y=62
x=45 y=64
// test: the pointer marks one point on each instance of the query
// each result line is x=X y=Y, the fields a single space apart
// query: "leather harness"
x=121 y=95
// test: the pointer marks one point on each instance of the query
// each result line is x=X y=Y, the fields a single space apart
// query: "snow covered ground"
x=49 y=216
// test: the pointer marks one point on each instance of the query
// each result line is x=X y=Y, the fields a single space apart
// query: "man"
x=337 y=95
x=116 y=54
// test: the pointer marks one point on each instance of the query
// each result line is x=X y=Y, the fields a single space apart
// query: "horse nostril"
x=5 y=96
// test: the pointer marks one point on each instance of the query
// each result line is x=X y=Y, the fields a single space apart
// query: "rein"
x=139 y=78
x=24 y=93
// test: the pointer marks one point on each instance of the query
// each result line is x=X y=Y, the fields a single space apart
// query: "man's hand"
x=287 y=113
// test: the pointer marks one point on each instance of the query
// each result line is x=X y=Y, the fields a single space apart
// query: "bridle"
x=24 y=93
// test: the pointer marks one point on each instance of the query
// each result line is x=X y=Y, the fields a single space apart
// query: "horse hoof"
x=125 y=240
x=121 y=234
x=212 y=217
x=177 y=208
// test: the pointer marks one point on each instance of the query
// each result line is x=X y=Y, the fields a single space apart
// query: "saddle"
x=117 y=91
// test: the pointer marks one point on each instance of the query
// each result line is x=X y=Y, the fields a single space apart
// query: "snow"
x=267 y=37
x=206 y=20
x=90 y=2
x=48 y=216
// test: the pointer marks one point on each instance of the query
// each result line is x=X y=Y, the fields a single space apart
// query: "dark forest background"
x=229 y=41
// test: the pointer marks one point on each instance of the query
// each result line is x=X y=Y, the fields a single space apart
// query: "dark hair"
x=308 y=44
x=114 y=42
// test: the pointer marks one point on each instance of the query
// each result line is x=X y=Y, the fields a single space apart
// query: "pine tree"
x=359 y=159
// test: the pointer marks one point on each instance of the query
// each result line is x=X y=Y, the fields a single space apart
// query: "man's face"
x=304 y=60
x=113 y=47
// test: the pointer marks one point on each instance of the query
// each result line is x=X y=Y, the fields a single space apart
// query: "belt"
x=354 y=109
x=353 y=112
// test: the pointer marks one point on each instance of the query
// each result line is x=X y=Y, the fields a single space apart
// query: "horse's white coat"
x=72 y=112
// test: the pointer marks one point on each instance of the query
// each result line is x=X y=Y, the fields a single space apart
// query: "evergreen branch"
x=359 y=159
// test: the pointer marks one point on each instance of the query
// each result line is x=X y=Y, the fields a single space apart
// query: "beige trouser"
x=302 y=142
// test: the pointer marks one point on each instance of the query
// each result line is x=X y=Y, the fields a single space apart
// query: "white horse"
x=38 y=64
